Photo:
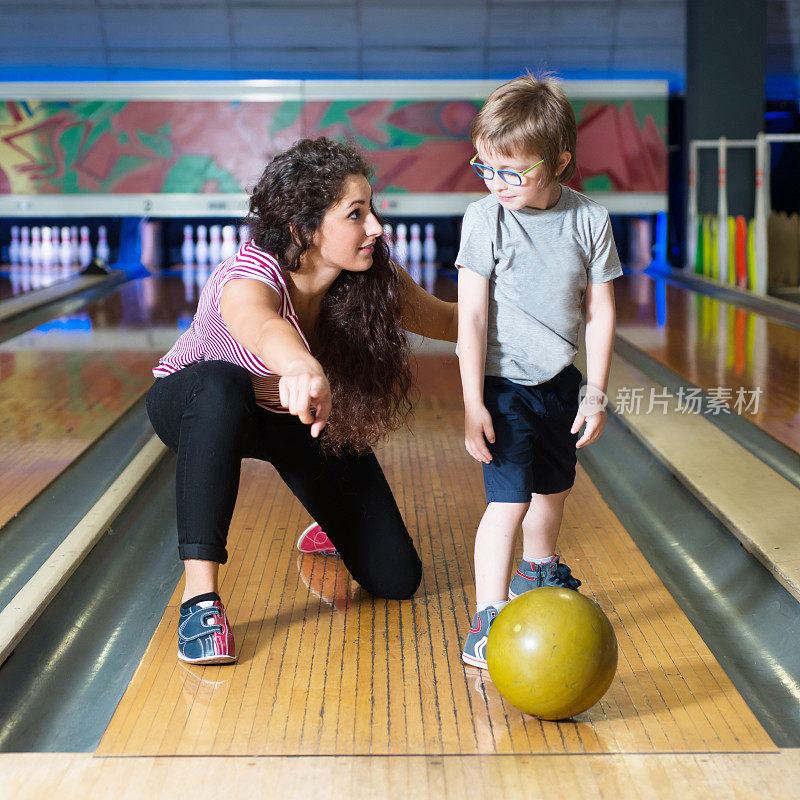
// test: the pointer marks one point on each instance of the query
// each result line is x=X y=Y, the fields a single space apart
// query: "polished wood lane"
x=63 y=384
x=17 y=280
x=328 y=670
x=713 y=344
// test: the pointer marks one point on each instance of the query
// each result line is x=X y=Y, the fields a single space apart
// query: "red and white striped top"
x=208 y=337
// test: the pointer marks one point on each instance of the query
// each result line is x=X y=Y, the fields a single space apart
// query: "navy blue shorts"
x=533 y=451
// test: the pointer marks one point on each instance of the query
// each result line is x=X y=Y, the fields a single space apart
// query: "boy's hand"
x=477 y=424
x=594 y=427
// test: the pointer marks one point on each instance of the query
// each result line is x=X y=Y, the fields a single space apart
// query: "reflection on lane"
x=63 y=384
x=717 y=346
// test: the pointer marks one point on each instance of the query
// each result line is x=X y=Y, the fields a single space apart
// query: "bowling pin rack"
x=762 y=202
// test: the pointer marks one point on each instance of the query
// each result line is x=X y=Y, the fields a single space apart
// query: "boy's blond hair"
x=529 y=116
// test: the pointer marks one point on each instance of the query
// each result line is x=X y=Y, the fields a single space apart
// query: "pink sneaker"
x=314 y=540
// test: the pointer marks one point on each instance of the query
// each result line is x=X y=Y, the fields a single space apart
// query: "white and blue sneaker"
x=204 y=634
x=475 y=646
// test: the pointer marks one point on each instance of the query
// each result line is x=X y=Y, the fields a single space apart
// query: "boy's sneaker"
x=204 y=635
x=475 y=645
x=530 y=575
x=314 y=540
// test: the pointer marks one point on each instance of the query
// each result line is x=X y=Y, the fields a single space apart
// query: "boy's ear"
x=563 y=160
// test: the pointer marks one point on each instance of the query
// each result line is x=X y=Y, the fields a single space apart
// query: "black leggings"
x=207 y=414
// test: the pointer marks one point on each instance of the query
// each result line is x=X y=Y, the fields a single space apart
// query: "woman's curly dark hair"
x=360 y=341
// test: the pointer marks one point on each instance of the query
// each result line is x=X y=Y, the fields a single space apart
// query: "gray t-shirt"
x=538 y=264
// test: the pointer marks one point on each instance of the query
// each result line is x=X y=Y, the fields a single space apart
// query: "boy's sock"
x=193 y=601
x=497 y=605
x=548 y=560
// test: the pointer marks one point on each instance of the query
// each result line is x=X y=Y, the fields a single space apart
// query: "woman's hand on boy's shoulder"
x=424 y=314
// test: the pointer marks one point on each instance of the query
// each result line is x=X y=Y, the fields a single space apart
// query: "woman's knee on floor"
x=394 y=577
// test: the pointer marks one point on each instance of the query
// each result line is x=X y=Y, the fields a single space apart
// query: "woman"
x=297 y=355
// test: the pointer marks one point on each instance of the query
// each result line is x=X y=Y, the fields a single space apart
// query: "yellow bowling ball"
x=552 y=653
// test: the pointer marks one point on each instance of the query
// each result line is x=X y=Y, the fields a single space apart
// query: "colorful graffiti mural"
x=137 y=146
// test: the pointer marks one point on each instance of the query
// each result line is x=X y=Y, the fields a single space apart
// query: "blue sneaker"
x=204 y=635
x=475 y=646
x=530 y=575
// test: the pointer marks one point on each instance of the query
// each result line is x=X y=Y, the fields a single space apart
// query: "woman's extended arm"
x=425 y=314
x=249 y=309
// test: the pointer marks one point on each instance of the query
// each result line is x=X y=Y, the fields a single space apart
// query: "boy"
x=531 y=253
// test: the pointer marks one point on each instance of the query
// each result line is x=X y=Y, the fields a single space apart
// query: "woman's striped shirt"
x=208 y=337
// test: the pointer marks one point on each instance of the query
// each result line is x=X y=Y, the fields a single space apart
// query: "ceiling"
x=139 y=39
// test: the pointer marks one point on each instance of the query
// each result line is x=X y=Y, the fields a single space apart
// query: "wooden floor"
x=63 y=385
x=339 y=694
x=711 y=344
x=724 y=776
x=327 y=670
x=18 y=280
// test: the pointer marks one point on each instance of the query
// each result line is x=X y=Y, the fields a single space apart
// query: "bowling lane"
x=66 y=382
x=718 y=347
x=17 y=280
x=327 y=670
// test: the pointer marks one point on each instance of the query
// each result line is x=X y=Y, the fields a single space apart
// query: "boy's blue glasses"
x=508 y=175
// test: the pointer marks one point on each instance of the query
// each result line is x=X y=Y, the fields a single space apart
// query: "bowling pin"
x=13 y=248
x=388 y=237
x=401 y=246
x=36 y=270
x=54 y=244
x=85 y=248
x=25 y=246
x=65 y=249
x=36 y=247
x=429 y=245
x=48 y=274
x=187 y=248
x=15 y=276
x=25 y=277
x=415 y=245
x=228 y=248
x=244 y=235
x=215 y=244
x=74 y=241
x=48 y=253
x=201 y=248
x=102 y=251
